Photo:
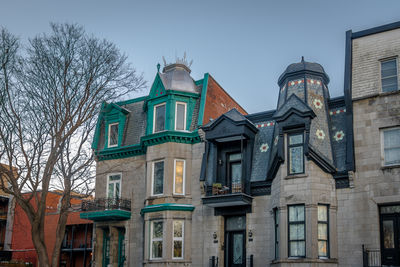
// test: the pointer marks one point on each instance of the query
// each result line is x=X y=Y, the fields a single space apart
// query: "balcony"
x=233 y=194
x=106 y=209
x=76 y=245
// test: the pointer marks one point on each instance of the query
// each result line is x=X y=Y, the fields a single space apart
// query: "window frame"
x=182 y=239
x=183 y=177
x=327 y=232
x=152 y=177
x=288 y=146
x=383 y=161
x=120 y=183
x=176 y=115
x=297 y=222
x=109 y=135
x=382 y=61
x=155 y=117
x=276 y=232
x=152 y=239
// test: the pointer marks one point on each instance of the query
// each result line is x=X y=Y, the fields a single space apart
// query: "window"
x=113 y=135
x=158 y=178
x=295 y=153
x=391 y=146
x=159 y=118
x=114 y=186
x=389 y=75
x=276 y=219
x=180 y=116
x=323 y=231
x=156 y=240
x=178 y=239
x=235 y=172
x=297 y=237
x=179 y=177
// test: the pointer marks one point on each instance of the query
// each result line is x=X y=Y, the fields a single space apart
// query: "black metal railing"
x=77 y=244
x=222 y=189
x=213 y=262
x=371 y=257
x=250 y=261
x=106 y=204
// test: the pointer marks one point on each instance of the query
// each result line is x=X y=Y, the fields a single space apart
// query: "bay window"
x=296 y=231
x=158 y=178
x=178 y=239
x=156 y=239
x=323 y=231
x=179 y=177
x=159 y=118
x=180 y=116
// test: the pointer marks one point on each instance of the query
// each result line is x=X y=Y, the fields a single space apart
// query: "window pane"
x=157 y=249
x=392 y=146
x=117 y=192
x=322 y=248
x=296 y=139
x=296 y=159
x=114 y=177
x=236 y=223
x=180 y=117
x=177 y=249
x=296 y=213
x=323 y=231
x=110 y=190
x=296 y=231
x=388 y=234
x=160 y=118
x=178 y=228
x=297 y=249
x=179 y=176
x=113 y=139
x=389 y=84
x=389 y=76
x=237 y=248
x=390 y=209
x=157 y=229
x=236 y=156
x=322 y=213
x=392 y=156
x=158 y=178
x=388 y=68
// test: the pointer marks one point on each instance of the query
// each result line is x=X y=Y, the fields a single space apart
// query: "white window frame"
x=383 y=145
x=109 y=134
x=152 y=239
x=178 y=239
x=154 y=116
x=120 y=182
x=397 y=72
x=176 y=115
x=183 y=178
x=152 y=177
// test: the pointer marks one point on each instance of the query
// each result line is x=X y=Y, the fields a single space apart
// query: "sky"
x=244 y=45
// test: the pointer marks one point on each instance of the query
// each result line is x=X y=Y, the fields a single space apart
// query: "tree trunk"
x=39 y=244
x=60 y=232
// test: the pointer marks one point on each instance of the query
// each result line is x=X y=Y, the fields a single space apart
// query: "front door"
x=390 y=235
x=235 y=241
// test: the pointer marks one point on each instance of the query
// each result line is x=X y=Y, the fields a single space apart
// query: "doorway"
x=390 y=234
x=235 y=241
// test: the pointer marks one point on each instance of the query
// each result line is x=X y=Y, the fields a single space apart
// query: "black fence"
x=106 y=204
x=213 y=261
x=371 y=257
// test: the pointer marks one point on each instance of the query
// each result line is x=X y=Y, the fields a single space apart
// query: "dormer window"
x=159 y=118
x=295 y=153
x=180 y=116
x=113 y=134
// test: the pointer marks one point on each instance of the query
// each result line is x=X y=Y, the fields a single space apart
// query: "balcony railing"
x=77 y=244
x=371 y=257
x=220 y=189
x=99 y=204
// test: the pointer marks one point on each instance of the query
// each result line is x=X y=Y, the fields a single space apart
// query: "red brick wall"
x=218 y=102
x=22 y=239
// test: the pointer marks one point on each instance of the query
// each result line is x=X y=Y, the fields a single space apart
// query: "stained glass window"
x=113 y=135
x=179 y=177
x=159 y=118
x=323 y=230
x=156 y=239
x=296 y=156
x=178 y=239
x=158 y=177
x=180 y=116
x=297 y=244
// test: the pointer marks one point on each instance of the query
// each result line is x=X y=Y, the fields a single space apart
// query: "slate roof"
x=302 y=67
x=135 y=124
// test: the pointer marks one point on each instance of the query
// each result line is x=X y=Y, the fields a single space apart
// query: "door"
x=390 y=235
x=235 y=241
x=106 y=248
x=121 y=248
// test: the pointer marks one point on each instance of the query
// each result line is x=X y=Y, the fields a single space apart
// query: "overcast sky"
x=244 y=45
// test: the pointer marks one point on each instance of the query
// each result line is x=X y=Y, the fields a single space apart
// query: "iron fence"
x=106 y=204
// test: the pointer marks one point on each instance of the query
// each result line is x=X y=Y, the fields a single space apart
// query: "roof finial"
x=302 y=58
x=158 y=67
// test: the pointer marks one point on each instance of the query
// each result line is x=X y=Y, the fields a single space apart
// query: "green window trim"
x=167 y=206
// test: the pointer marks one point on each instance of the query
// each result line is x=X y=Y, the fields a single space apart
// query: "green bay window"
x=180 y=116
x=323 y=231
x=296 y=230
x=159 y=118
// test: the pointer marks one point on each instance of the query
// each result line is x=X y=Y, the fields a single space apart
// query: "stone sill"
x=390 y=167
x=294 y=176
x=305 y=260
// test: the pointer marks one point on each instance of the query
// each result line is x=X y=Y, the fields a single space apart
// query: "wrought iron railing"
x=106 y=204
x=213 y=262
x=250 y=261
x=221 y=189
x=77 y=244
x=371 y=257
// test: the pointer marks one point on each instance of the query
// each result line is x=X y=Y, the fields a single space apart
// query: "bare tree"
x=50 y=94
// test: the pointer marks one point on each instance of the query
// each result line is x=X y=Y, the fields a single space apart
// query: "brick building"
x=185 y=177
x=76 y=250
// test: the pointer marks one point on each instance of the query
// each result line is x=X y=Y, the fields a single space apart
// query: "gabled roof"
x=294 y=105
